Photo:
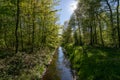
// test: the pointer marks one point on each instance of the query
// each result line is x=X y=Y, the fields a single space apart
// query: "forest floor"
x=100 y=63
x=23 y=66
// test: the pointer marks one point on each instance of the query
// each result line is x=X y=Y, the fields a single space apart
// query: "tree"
x=97 y=22
x=17 y=24
x=28 y=25
x=118 y=23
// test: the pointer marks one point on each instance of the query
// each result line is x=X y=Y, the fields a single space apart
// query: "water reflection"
x=63 y=66
x=59 y=68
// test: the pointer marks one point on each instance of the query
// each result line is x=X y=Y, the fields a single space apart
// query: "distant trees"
x=97 y=23
x=28 y=24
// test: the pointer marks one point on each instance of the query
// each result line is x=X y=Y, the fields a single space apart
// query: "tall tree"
x=17 y=25
x=118 y=22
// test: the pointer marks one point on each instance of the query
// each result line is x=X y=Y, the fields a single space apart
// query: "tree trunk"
x=16 y=30
x=95 y=34
x=91 y=35
x=79 y=30
x=118 y=24
x=80 y=37
x=91 y=28
x=111 y=22
x=101 y=37
x=33 y=32
x=33 y=26
x=5 y=37
x=21 y=34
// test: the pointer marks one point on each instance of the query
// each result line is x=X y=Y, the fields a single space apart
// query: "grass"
x=99 y=64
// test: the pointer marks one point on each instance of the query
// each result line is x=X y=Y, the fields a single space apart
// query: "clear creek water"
x=59 y=69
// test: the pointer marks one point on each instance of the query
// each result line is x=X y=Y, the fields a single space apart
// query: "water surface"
x=59 y=69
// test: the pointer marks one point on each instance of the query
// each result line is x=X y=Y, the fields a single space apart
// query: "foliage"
x=24 y=66
x=101 y=63
x=95 y=22
x=28 y=35
x=37 y=24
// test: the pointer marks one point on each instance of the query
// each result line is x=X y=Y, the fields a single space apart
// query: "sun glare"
x=73 y=5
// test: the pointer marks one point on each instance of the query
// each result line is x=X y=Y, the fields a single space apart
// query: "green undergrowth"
x=94 y=63
x=23 y=66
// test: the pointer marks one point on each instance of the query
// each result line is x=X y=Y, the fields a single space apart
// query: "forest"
x=28 y=37
x=92 y=39
x=31 y=40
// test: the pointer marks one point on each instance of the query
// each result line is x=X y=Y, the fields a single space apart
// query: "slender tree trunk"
x=28 y=33
x=33 y=26
x=16 y=30
x=21 y=34
x=91 y=35
x=80 y=37
x=118 y=23
x=111 y=21
x=79 y=30
x=42 y=33
x=39 y=36
x=101 y=37
x=5 y=37
x=91 y=24
x=33 y=32
x=95 y=34
x=3 y=27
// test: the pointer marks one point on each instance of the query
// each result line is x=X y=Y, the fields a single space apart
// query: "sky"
x=67 y=8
